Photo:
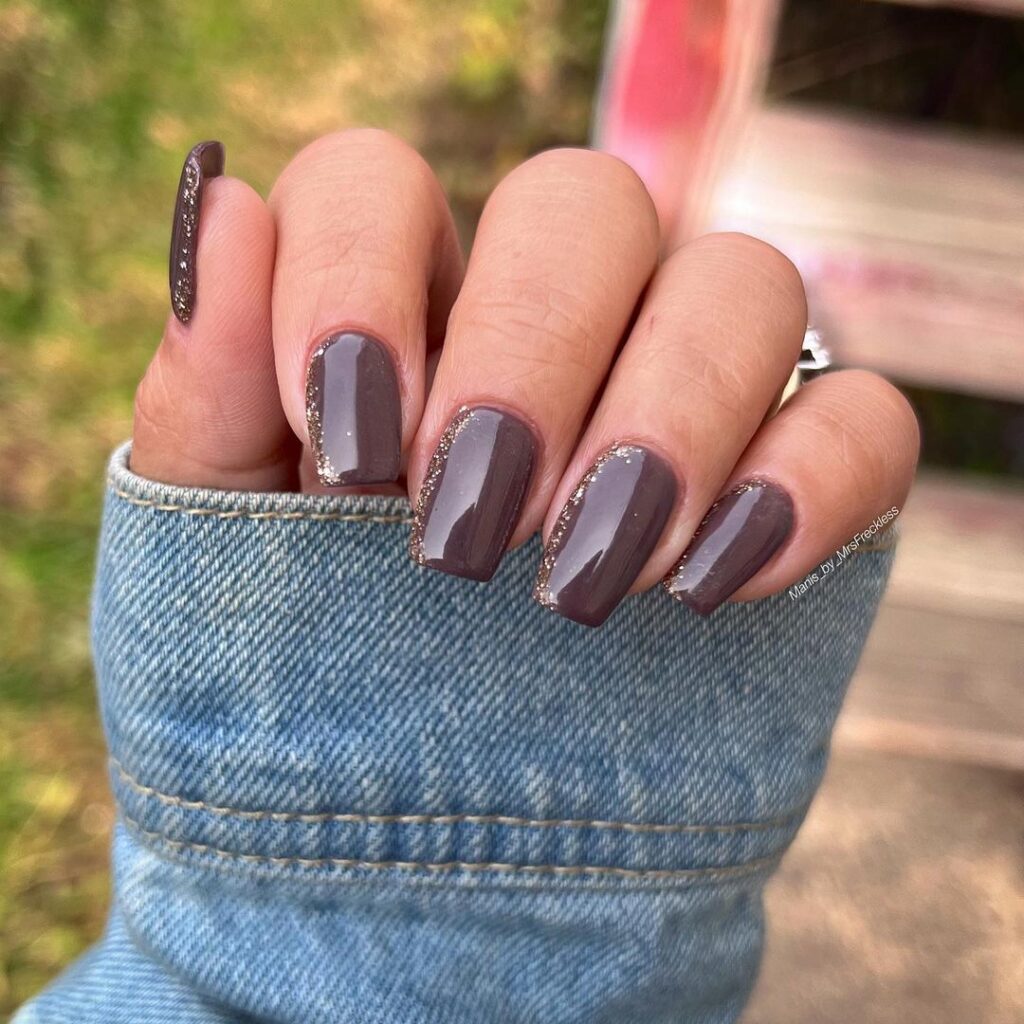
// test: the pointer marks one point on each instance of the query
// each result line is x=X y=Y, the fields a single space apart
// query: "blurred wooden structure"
x=943 y=672
x=911 y=243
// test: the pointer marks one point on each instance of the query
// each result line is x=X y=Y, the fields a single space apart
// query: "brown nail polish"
x=470 y=501
x=739 y=534
x=354 y=411
x=605 y=534
x=205 y=161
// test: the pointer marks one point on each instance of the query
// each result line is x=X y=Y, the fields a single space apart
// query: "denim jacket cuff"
x=316 y=744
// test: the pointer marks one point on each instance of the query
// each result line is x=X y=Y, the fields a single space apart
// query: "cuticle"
x=496 y=405
x=401 y=370
x=767 y=481
x=506 y=410
x=321 y=339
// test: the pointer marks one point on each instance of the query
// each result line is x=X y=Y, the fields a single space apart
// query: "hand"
x=582 y=386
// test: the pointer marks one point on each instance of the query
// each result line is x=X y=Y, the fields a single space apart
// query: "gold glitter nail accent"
x=325 y=470
x=541 y=589
x=205 y=160
x=459 y=422
x=747 y=485
x=183 y=289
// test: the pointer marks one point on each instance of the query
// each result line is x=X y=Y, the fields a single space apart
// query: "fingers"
x=836 y=461
x=563 y=250
x=207 y=412
x=678 y=473
x=718 y=334
x=367 y=266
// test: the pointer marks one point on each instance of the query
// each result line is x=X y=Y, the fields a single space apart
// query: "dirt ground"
x=901 y=901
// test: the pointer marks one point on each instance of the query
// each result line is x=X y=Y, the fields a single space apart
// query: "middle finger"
x=563 y=250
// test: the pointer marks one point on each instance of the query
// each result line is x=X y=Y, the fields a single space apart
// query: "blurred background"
x=881 y=145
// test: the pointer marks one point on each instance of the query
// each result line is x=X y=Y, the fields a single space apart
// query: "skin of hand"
x=583 y=384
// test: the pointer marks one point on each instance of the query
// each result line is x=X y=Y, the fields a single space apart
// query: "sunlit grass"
x=99 y=101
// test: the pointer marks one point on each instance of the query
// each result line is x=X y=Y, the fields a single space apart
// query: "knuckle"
x=539 y=325
x=715 y=382
x=884 y=407
x=577 y=164
x=367 y=160
x=341 y=255
x=358 y=205
x=751 y=285
x=753 y=261
x=587 y=177
x=861 y=413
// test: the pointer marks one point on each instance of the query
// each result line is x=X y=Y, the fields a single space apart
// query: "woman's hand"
x=582 y=386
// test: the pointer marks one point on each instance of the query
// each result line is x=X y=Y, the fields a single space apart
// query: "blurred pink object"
x=679 y=78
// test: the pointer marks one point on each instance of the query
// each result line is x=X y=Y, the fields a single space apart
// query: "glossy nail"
x=738 y=535
x=605 y=534
x=354 y=411
x=205 y=161
x=470 y=501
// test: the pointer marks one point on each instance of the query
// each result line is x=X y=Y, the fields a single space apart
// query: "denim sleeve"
x=353 y=790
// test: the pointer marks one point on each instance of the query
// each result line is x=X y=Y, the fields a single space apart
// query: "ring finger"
x=719 y=332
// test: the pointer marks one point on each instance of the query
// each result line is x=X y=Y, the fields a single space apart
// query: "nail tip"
x=355 y=478
x=478 y=574
x=463 y=569
x=701 y=608
x=580 y=619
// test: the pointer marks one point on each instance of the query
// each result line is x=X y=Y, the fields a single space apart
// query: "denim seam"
x=445 y=867
x=170 y=800
x=883 y=544
x=217 y=513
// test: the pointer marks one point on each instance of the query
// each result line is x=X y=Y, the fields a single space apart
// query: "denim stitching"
x=336 y=517
x=449 y=819
x=731 y=871
x=190 y=510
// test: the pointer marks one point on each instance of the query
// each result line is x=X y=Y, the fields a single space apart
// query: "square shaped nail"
x=354 y=411
x=474 y=490
x=605 y=534
x=739 y=534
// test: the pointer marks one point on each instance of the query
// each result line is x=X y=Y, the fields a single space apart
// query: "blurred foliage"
x=99 y=101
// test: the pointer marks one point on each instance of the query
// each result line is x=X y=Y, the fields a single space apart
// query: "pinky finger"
x=837 y=457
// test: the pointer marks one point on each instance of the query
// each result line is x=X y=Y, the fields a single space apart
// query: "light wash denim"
x=354 y=790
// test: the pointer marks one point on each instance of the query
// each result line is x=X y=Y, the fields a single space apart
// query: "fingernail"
x=205 y=161
x=354 y=411
x=474 y=490
x=605 y=534
x=739 y=534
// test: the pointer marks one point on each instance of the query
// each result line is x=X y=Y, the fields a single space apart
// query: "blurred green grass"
x=99 y=102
